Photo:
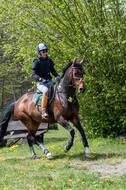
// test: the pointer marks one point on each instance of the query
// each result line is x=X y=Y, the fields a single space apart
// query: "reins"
x=59 y=87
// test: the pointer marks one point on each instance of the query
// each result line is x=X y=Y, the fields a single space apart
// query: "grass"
x=67 y=171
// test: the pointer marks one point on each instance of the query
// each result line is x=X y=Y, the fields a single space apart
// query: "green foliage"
x=13 y=80
x=70 y=28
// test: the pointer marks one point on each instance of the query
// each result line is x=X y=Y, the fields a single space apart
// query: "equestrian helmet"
x=41 y=46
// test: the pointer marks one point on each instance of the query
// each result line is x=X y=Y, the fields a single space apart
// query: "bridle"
x=81 y=79
x=70 y=84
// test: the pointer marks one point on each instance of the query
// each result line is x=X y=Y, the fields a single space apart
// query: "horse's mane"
x=64 y=69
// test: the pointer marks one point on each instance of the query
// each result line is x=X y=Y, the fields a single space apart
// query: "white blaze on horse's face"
x=77 y=74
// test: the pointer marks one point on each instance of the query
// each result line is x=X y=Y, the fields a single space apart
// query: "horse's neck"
x=66 y=85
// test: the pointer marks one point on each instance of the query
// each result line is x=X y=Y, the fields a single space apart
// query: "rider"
x=41 y=68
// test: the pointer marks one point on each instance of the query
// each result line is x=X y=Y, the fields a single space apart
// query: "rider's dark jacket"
x=41 y=68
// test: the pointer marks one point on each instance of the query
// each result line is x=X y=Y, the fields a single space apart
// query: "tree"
x=72 y=28
x=13 y=81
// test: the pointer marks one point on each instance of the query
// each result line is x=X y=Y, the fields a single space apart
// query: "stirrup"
x=44 y=115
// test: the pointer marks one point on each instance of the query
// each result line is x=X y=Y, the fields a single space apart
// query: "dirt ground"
x=111 y=170
x=106 y=168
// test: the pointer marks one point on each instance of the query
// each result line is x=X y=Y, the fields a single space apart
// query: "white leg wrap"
x=88 y=152
x=49 y=156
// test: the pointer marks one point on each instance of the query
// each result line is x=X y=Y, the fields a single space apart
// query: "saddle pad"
x=38 y=97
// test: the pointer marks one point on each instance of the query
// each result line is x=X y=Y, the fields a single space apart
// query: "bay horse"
x=63 y=108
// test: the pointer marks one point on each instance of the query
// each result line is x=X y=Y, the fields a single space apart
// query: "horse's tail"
x=4 y=123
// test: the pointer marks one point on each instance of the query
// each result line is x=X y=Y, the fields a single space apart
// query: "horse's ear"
x=74 y=61
x=83 y=60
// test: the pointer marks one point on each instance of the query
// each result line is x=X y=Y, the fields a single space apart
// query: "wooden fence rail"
x=16 y=131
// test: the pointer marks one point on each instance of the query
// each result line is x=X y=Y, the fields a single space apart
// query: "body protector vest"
x=41 y=68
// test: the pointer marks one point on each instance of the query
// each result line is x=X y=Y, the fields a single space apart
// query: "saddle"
x=37 y=98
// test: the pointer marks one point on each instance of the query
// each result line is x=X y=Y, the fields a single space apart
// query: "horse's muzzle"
x=82 y=90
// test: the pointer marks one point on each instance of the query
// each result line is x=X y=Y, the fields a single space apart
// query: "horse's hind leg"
x=66 y=125
x=44 y=150
x=30 y=143
x=32 y=126
x=30 y=140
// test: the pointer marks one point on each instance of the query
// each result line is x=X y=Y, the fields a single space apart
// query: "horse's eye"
x=75 y=73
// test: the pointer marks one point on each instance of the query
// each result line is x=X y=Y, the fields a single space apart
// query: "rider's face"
x=43 y=53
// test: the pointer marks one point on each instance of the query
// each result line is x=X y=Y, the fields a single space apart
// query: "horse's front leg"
x=77 y=124
x=66 y=125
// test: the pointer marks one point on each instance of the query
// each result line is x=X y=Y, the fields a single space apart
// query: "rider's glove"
x=40 y=79
x=43 y=80
x=57 y=78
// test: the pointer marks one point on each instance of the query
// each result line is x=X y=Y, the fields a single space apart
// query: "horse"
x=63 y=108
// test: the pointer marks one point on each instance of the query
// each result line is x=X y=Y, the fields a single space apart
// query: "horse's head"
x=77 y=73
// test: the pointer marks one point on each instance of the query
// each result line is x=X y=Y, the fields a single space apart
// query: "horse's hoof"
x=88 y=155
x=88 y=152
x=65 y=150
x=35 y=157
x=49 y=156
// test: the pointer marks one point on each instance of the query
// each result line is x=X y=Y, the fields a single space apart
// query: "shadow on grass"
x=70 y=155
x=83 y=157
x=79 y=156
